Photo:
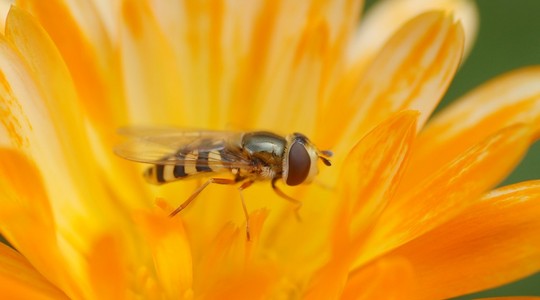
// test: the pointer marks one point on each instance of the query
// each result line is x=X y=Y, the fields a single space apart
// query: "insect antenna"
x=324 y=155
x=326 y=161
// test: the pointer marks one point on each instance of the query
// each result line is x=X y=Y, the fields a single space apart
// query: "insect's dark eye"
x=299 y=164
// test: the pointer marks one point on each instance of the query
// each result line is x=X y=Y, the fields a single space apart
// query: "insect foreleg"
x=198 y=191
x=244 y=186
x=297 y=204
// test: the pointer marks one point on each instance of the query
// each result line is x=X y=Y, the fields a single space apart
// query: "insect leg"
x=297 y=203
x=198 y=191
x=244 y=186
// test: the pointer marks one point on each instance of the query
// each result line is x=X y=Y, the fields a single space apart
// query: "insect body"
x=248 y=156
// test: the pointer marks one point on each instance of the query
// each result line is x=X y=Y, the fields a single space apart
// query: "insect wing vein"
x=219 y=149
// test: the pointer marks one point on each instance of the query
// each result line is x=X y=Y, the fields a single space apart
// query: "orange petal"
x=379 y=157
x=387 y=278
x=252 y=283
x=170 y=251
x=328 y=282
x=25 y=209
x=412 y=71
x=374 y=168
x=223 y=265
x=513 y=298
x=19 y=280
x=511 y=98
x=88 y=52
x=107 y=269
x=452 y=189
x=493 y=242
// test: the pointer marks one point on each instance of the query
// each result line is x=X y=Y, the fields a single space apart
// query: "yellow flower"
x=400 y=214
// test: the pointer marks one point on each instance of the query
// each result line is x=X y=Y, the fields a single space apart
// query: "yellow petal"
x=48 y=69
x=412 y=71
x=72 y=182
x=58 y=95
x=4 y=9
x=385 y=17
x=283 y=229
x=145 y=54
x=196 y=33
x=301 y=92
x=511 y=98
x=63 y=102
x=19 y=280
x=386 y=278
x=242 y=63
x=492 y=242
x=269 y=58
x=453 y=188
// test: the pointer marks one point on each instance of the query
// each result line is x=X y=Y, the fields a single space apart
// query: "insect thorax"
x=266 y=149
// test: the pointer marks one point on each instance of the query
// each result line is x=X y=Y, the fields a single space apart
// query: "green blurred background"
x=508 y=38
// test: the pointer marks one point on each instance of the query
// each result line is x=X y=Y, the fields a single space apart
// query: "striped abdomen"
x=185 y=165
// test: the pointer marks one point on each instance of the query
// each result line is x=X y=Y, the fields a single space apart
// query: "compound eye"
x=299 y=164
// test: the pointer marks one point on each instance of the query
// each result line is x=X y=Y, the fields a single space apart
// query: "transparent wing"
x=175 y=138
x=178 y=146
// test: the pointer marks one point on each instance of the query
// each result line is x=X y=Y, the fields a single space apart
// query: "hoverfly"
x=248 y=156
